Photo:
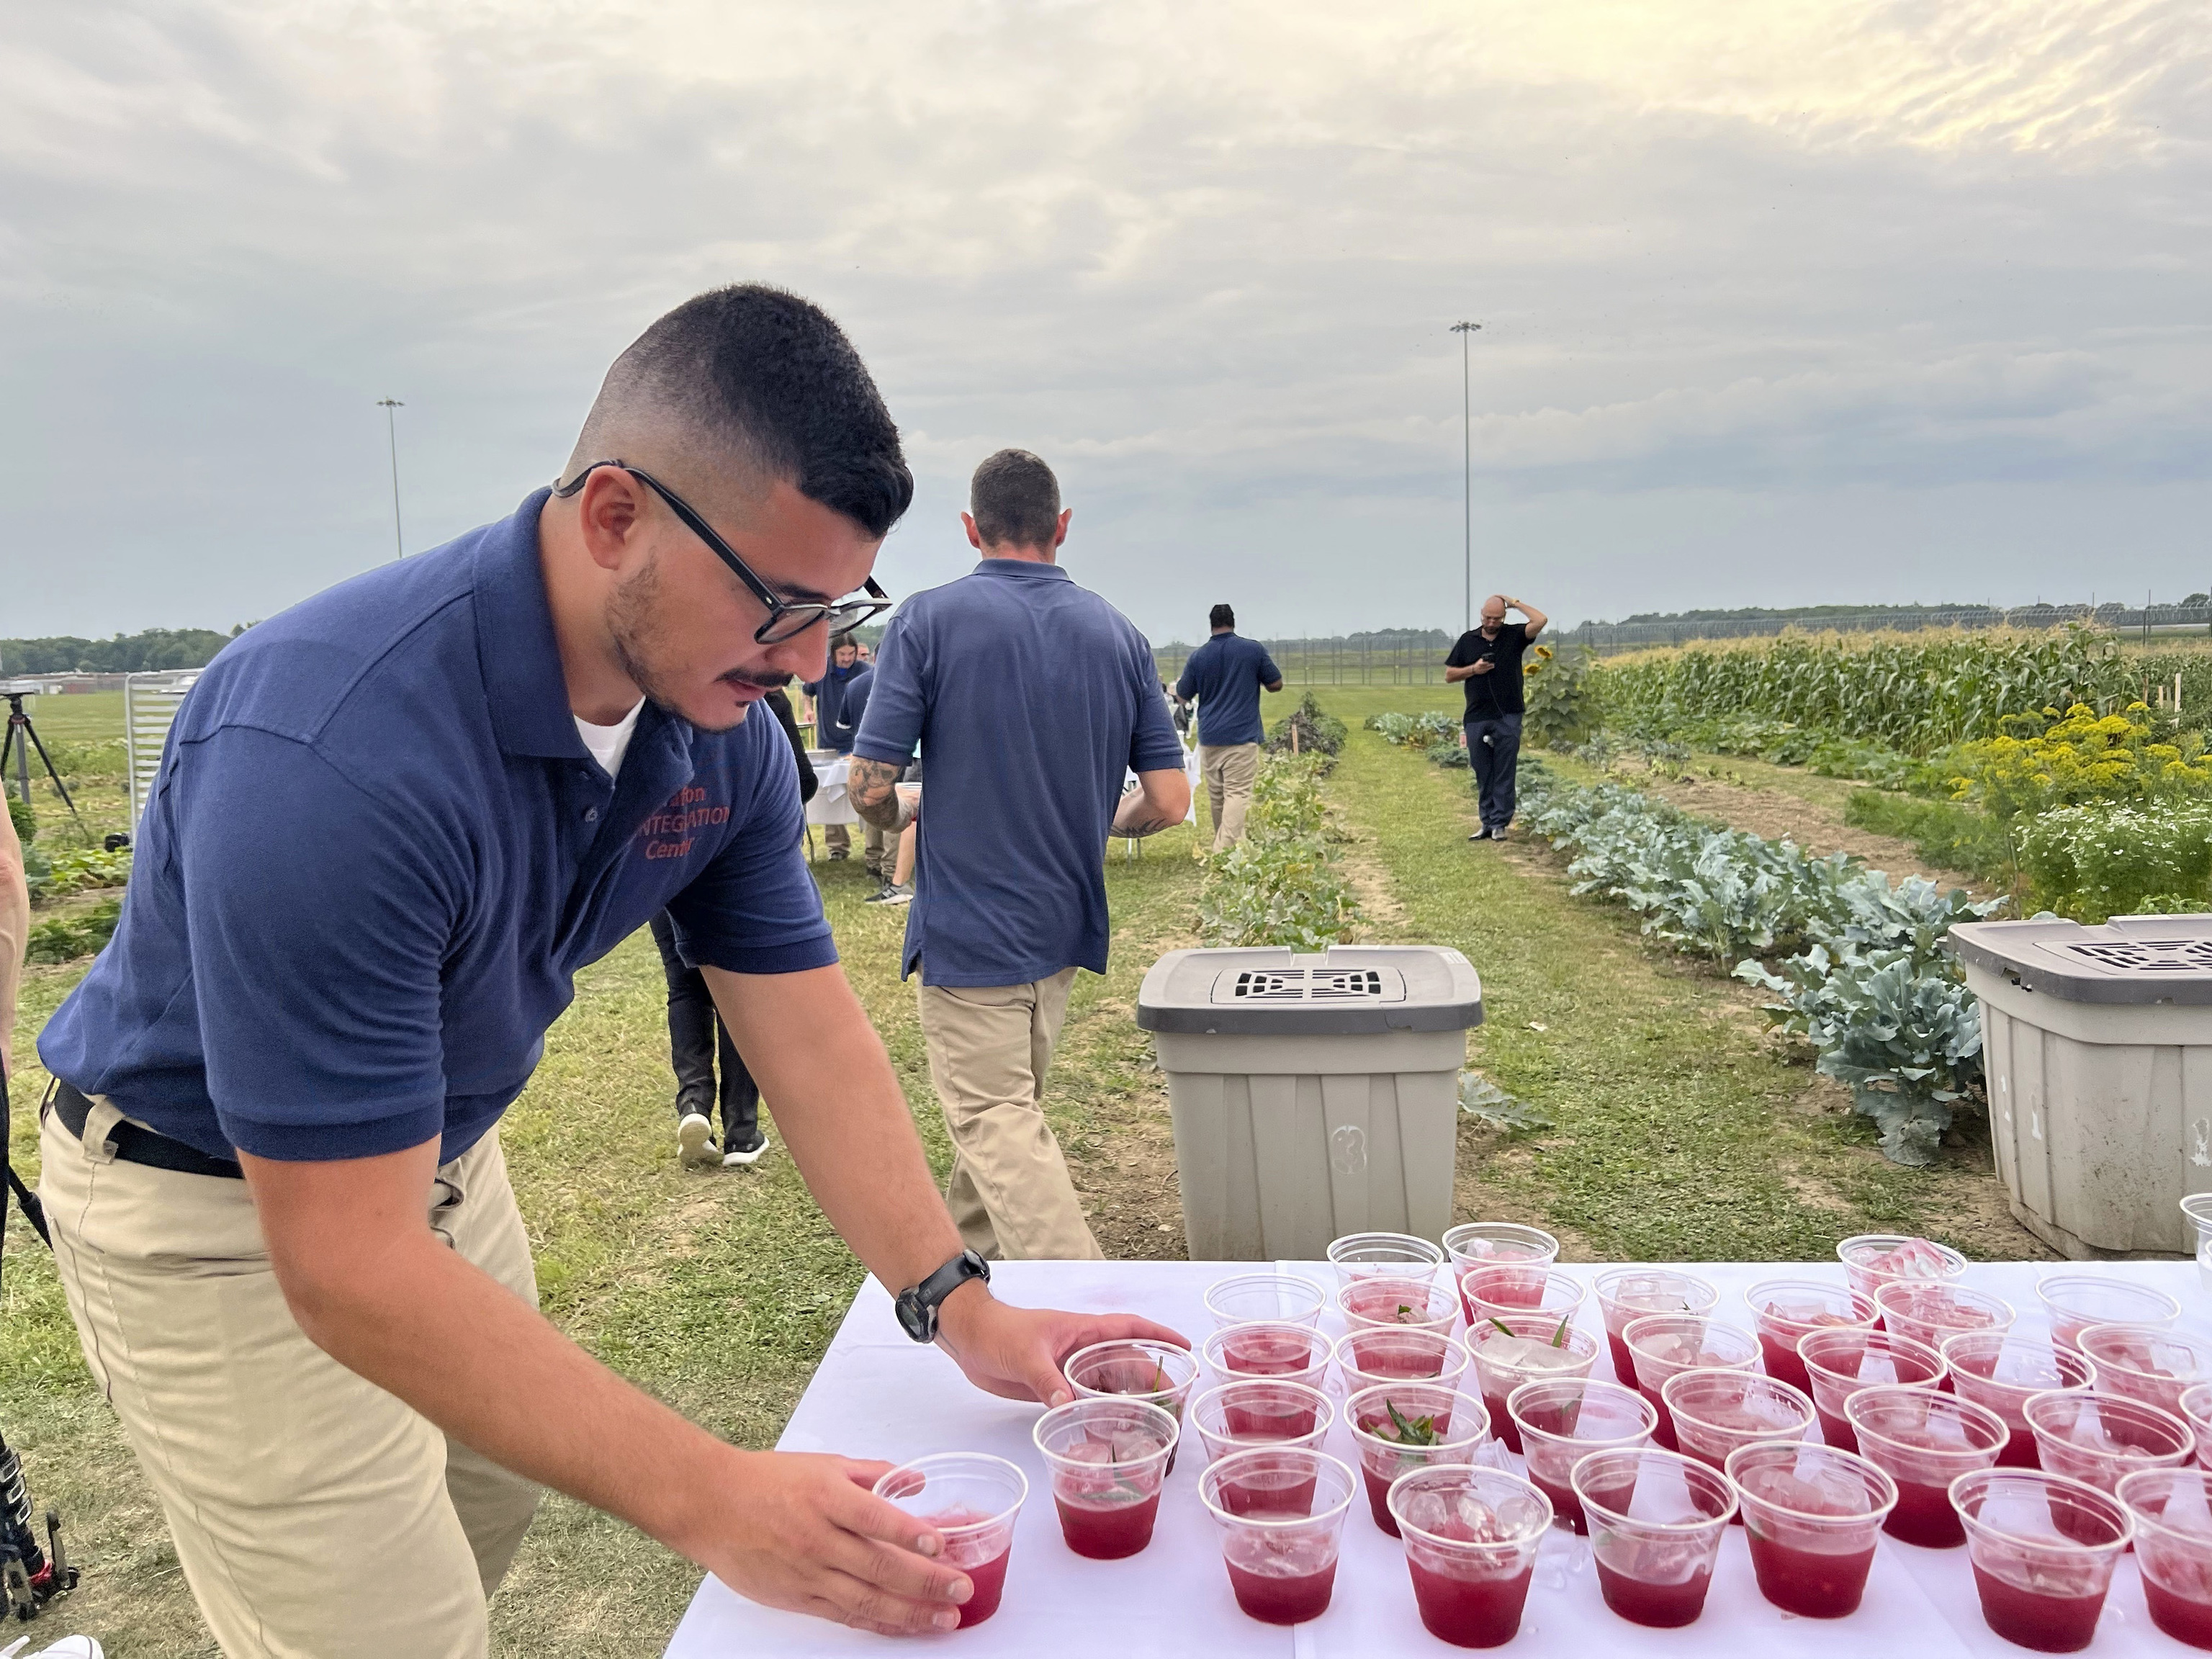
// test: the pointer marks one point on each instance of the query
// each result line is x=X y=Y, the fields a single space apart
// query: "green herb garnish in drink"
x=1559 y=1336
x=1408 y=1431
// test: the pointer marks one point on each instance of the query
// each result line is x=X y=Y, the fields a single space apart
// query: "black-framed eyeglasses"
x=785 y=621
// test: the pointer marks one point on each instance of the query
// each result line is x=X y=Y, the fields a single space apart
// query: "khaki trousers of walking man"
x=989 y=1049
x=315 y=1515
x=1230 y=768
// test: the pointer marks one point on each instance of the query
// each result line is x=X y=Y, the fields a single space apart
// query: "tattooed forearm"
x=1145 y=824
x=870 y=786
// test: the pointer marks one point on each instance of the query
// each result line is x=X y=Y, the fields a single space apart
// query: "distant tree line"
x=126 y=654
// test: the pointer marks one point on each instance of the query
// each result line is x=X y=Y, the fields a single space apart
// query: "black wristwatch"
x=917 y=1308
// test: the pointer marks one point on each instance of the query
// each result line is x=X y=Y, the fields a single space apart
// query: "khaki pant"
x=838 y=837
x=315 y=1515
x=1230 y=768
x=989 y=1049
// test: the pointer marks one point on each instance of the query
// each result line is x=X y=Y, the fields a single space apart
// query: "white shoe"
x=695 y=1143
x=69 y=1647
x=737 y=1160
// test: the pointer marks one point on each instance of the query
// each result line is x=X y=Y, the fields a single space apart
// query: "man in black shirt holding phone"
x=1487 y=660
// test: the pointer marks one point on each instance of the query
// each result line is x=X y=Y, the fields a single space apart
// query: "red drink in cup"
x=1663 y=1345
x=1246 y=1299
x=1499 y=1244
x=1656 y=1521
x=1268 y=1348
x=1840 y=1363
x=1782 y=1311
x=1280 y=1554
x=1398 y=1427
x=1382 y=1303
x=1717 y=1412
x=1159 y=1373
x=2076 y=1301
x=1510 y=1350
x=1260 y=1412
x=1930 y=1313
x=1366 y=1358
x=2146 y=1363
x=1628 y=1294
x=2043 y=1549
x=1923 y=1441
x=1471 y=1540
x=1496 y=1293
x=1813 y=1513
x=2172 y=1513
x=1108 y=1458
x=2003 y=1370
x=972 y=1499
x=1564 y=1421
x=2098 y=1438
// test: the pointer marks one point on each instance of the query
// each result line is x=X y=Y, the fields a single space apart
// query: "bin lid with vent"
x=2130 y=959
x=1344 y=991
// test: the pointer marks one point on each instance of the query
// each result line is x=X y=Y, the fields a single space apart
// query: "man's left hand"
x=1017 y=1352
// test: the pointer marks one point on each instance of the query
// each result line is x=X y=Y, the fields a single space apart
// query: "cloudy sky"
x=1781 y=303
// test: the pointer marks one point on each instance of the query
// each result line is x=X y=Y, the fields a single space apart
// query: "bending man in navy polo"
x=1033 y=700
x=1224 y=676
x=389 y=828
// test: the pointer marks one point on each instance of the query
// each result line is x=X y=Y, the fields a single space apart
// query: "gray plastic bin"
x=1313 y=1095
x=2098 y=1046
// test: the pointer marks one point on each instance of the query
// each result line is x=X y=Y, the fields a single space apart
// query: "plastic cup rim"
x=1430 y=1290
x=2159 y=1416
x=1914 y=1286
x=1062 y=1413
x=1549 y=1317
x=1478 y=1471
x=2062 y=1357
x=1320 y=1296
x=1604 y=1296
x=1628 y=1341
x=1519 y=1229
x=966 y=1529
x=1888 y=1341
x=2201 y=1346
x=1210 y=1479
x=1146 y=1344
x=1979 y=1415
x=1953 y=1261
x=1581 y=1290
x=1480 y=1417
x=1671 y=1528
x=1325 y=1407
x=1648 y=1412
x=2126 y=1287
x=1433 y=1255
x=1865 y=1467
x=1789 y=1392
x=2095 y=1497
x=2145 y=1522
x=1209 y=1351
x=2202 y=1214
x=1850 y=1294
x=2203 y=1390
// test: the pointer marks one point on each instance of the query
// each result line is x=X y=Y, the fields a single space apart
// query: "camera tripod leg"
x=22 y=738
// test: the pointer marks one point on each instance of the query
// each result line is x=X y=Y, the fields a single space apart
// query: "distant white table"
x=877 y=1394
x=830 y=805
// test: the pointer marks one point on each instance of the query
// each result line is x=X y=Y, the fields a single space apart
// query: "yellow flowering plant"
x=2048 y=759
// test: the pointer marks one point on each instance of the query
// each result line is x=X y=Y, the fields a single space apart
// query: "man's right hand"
x=803 y=1532
x=1483 y=666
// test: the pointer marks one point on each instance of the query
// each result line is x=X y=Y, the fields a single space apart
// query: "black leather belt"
x=134 y=1145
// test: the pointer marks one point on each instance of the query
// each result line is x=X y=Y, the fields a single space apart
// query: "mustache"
x=765 y=682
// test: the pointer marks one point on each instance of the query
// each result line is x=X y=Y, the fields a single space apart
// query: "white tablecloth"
x=877 y=1394
x=830 y=805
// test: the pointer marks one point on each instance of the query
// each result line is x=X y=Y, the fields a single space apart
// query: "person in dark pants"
x=1487 y=661
x=697 y=1037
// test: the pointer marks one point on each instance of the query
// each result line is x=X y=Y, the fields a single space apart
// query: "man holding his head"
x=1225 y=676
x=280 y=1211
x=1032 y=698
x=1487 y=660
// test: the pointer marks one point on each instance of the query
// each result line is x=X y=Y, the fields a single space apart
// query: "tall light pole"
x=1466 y=331
x=391 y=438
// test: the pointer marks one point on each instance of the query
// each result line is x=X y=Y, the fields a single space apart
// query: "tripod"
x=22 y=738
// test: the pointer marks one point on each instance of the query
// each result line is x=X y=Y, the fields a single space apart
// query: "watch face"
x=913 y=1318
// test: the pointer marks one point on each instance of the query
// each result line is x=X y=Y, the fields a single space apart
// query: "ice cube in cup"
x=2074 y=1302
x=1840 y=1363
x=1814 y=1515
x=1929 y=1313
x=1510 y=1350
x=2146 y=1363
x=1628 y=1294
x=2171 y=1509
x=1108 y=1456
x=1499 y=1244
x=1398 y=1427
x=1563 y=1421
x=1872 y=1259
x=1656 y=1523
x=2043 y=1548
x=1260 y=1411
x=1784 y=1310
x=1664 y=1343
x=972 y=1499
x=1717 y=1412
x=1923 y=1441
x=1393 y=1255
x=1383 y=1302
x=1281 y=1513
x=2098 y=1438
x=1494 y=1292
x=2003 y=1369
x=1471 y=1536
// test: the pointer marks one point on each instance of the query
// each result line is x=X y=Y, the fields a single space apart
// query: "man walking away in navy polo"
x=1224 y=676
x=840 y=696
x=1487 y=660
x=1033 y=698
x=271 y=1153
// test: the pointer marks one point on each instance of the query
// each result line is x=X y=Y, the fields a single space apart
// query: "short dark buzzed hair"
x=1221 y=616
x=1015 y=500
x=761 y=371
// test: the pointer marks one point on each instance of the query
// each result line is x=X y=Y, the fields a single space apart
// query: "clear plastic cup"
x=2003 y=1369
x=2098 y=1438
x=2197 y=1411
x=1814 y=1515
x=2197 y=1210
x=1400 y=1427
x=1108 y=1458
x=1495 y=1291
x=1655 y=1523
x=1717 y=1412
x=1872 y=1259
x=1923 y=1441
x=2076 y=1301
x=1494 y=1243
x=1784 y=1310
x=1471 y=1536
x=1628 y=1294
x=1260 y=1412
x=972 y=1499
x=1840 y=1363
x=1385 y=1303
x=1563 y=1421
x=1267 y=1347
x=1510 y=1350
x=1159 y=1373
x=1249 y=1298
x=1366 y=1358
x=2171 y=1509
x=1929 y=1313
x=1663 y=1345
x=1281 y=1513
x=2147 y=1363
x=1396 y=1255
x=2043 y=1549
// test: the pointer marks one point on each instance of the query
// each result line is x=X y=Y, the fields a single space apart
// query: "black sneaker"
x=889 y=894
x=1498 y=834
x=746 y=1151
x=1482 y=834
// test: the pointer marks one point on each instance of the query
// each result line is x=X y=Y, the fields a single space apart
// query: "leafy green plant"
x=1561 y=696
x=1448 y=755
x=1278 y=886
x=2053 y=759
x=65 y=938
x=2106 y=859
x=76 y=870
x=1317 y=731
x=1945 y=833
x=25 y=820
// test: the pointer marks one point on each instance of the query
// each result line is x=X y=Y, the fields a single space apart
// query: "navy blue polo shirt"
x=1226 y=675
x=836 y=717
x=377 y=853
x=1031 y=696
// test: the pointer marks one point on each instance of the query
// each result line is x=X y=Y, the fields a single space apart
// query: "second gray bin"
x=1313 y=1095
